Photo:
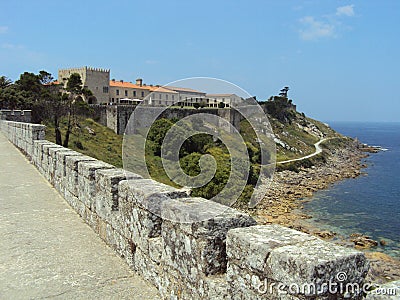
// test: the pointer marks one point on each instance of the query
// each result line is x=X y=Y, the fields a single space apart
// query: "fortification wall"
x=116 y=117
x=226 y=257
x=16 y=115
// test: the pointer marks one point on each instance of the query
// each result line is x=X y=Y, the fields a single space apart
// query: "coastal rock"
x=363 y=241
x=325 y=234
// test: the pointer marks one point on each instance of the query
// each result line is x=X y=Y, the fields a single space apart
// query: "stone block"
x=147 y=268
x=53 y=164
x=87 y=182
x=71 y=172
x=122 y=245
x=172 y=286
x=155 y=249
x=74 y=202
x=38 y=152
x=274 y=262
x=197 y=250
x=136 y=197
x=46 y=160
x=216 y=287
x=60 y=181
x=106 y=192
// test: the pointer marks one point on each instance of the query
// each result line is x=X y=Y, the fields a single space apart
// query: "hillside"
x=294 y=135
x=293 y=139
x=91 y=138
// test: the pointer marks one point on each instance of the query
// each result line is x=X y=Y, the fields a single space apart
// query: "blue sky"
x=340 y=58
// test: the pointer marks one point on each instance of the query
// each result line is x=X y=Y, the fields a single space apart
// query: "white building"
x=124 y=92
x=187 y=96
x=228 y=99
x=160 y=96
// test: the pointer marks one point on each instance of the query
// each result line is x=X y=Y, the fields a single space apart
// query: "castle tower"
x=95 y=79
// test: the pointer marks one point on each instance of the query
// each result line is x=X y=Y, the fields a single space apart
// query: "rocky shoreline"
x=286 y=194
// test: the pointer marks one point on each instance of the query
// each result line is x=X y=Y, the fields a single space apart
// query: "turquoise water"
x=369 y=204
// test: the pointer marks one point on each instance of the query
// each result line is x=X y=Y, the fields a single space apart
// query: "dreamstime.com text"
x=332 y=287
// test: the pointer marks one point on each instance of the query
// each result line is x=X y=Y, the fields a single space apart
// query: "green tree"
x=75 y=93
x=54 y=107
x=156 y=135
x=30 y=83
x=4 y=82
x=45 y=77
x=13 y=98
x=22 y=94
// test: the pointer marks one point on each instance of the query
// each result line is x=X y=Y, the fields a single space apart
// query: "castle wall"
x=116 y=117
x=16 y=115
x=225 y=257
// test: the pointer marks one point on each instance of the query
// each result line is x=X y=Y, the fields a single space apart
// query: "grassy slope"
x=105 y=145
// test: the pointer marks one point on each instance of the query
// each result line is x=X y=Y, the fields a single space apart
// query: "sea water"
x=370 y=203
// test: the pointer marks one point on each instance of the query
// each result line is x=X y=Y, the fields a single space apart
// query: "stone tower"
x=95 y=79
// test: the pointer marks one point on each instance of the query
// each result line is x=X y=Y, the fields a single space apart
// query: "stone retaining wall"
x=226 y=257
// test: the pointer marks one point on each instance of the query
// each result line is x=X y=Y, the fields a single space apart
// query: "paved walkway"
x=46 y=250
x=318 y=150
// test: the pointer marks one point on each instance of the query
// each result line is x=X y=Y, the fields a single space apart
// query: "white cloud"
x=325 y=26
x=347 y=10
x=314 y=29
x=151 y=62
x=11 y=46
x=3 y=29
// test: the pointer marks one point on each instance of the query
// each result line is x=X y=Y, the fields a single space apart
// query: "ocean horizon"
x=368 y=204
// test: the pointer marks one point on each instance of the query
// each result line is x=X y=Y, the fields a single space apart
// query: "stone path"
x=46 y=250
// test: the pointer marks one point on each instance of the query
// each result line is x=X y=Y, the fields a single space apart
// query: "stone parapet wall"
x=16 y=115
x=225 y=257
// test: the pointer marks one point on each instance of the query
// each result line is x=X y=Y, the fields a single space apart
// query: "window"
x=173 y=97
x=105 y=89
x=159 y=95
x=142 y=94
x=166 y=97
x=117 y=92
x=126 y=93
x=134 y=93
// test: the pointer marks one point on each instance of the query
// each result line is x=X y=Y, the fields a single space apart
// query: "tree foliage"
x=280 y=108
x=48 y=101
x=191 y=151
x=4 y=82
